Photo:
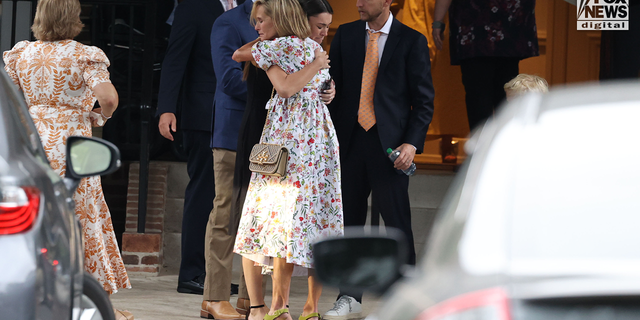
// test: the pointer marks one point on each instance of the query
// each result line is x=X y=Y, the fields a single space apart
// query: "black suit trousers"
x=366 y=169
x=198 y=202
x=484 y=79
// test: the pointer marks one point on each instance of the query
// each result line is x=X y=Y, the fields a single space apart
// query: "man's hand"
x=404 y=160
x=167 y=124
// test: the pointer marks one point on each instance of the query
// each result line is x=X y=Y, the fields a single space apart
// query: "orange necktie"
x=366 y=114
x=229 y=5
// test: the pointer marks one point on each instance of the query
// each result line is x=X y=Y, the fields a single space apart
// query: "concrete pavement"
x=156 y=298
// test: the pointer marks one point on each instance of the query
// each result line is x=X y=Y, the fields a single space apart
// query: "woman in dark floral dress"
x=487 y=38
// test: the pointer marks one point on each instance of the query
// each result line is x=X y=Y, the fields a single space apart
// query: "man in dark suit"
x=230 y=31
x=384 y=99
x=187 y=79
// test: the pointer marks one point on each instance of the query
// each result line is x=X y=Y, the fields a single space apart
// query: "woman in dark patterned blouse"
x=487 y=38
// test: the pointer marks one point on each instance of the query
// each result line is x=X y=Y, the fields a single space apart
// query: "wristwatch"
x=438 y=25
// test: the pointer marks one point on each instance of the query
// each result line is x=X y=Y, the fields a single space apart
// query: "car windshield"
x=576 y=197
x=16 y=109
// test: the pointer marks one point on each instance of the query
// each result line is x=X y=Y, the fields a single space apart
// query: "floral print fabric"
x=492 y=28
x=283 y=216
x=56 y=79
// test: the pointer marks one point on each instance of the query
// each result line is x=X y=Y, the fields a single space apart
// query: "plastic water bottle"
x=393 y=155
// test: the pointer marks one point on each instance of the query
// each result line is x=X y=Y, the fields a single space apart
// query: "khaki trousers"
x=218 y=244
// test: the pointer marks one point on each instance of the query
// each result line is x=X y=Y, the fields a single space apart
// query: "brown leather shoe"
x=222 y=310
x=243 y=306
x=122 y=315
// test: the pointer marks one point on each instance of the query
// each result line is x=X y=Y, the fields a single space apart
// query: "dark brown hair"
x=315 y=7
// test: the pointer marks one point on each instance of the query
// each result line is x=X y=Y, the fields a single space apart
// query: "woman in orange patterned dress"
x=61 y=80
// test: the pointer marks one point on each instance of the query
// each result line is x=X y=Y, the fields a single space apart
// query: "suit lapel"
x=359 y=47
x=390 y=45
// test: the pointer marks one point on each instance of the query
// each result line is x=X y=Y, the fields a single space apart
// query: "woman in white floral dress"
x=283 y=216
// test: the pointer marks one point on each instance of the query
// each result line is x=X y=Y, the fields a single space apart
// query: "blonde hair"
x=527 y=83
x=288 y=17
x=57 y=20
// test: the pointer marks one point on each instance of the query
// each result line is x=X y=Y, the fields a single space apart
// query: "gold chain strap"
x=264 y=128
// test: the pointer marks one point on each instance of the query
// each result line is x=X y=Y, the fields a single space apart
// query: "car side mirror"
x=88 y=157
x=361 y=261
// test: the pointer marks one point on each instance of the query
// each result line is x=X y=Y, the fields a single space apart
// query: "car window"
x=610 y=309
x=25 y=126
x=449 y=221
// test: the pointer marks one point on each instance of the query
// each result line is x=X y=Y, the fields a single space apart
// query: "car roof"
x=593 y=93
x=555 y=184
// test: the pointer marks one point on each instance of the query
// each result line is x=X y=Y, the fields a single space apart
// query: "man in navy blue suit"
x=230 y=31
x=187 y=80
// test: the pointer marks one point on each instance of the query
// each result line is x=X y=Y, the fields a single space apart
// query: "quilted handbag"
x=269 y=159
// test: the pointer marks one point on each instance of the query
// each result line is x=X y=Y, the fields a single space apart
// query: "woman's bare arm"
x=289 y=84
x=243 y=54
x=107 y=98
x=440 y=11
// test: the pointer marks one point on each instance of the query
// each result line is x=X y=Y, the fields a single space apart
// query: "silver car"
x=41 y=253
x=542 y=221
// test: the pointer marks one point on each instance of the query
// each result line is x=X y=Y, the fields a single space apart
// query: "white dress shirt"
x=382 y=40
x=225 y=4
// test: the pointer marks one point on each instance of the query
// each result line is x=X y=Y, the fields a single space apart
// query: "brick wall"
x=143 y=252
x=157 y=192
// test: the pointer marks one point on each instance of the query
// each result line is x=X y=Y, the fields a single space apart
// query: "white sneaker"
x=344 y=309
